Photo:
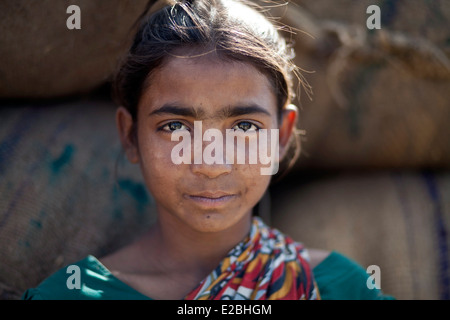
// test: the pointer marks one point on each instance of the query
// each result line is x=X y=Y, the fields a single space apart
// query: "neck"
x=180 y=247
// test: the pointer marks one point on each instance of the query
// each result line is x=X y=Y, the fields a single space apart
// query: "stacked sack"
x=398 y=221
x=66 y=190
x=373 y=179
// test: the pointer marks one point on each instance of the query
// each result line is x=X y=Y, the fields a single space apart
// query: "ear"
x=287 y=127
x=125 y=126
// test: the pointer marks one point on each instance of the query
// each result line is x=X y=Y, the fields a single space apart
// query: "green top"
x=337 y=277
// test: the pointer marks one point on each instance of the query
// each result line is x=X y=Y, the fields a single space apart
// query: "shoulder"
x=340 y=277
x=65 y=283
x=86 y=279
x=316 y=256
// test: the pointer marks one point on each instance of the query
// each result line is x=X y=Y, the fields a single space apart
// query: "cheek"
x=154 y=154
x=156 y=165
x=256 y=184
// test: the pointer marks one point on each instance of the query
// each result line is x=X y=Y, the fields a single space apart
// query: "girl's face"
x=222 y=95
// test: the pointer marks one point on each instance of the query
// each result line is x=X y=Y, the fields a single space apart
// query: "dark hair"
x=233 y=29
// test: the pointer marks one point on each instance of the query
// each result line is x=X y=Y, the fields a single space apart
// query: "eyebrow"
x=199 y=113
x=236 y=111
x=178 y=110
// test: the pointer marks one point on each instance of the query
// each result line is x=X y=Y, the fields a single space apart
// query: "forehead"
x=208 y=82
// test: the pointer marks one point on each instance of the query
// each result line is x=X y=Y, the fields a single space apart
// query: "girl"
x=221 y=63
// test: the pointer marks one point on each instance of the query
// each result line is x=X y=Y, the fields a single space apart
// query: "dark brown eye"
x=174 y=125
x=245 y=126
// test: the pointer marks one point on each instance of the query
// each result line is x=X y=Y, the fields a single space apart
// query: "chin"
x=211 y=222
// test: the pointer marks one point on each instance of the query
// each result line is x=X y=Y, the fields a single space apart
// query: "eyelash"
x=257 y=128
x=166 y=126
x=163 y=127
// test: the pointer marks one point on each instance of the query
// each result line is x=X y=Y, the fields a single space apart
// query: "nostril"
x=211 y=170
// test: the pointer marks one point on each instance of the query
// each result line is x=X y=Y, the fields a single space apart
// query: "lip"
x=212 y=194
x=210 y=199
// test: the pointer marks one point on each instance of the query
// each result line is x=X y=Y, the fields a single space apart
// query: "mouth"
x=212 y=199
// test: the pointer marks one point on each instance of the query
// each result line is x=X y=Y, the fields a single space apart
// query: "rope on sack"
x=349 y=44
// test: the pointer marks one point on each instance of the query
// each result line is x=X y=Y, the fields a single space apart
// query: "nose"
x=211 y=170
x=208 y=157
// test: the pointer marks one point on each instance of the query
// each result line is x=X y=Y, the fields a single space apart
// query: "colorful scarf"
x=267 y=265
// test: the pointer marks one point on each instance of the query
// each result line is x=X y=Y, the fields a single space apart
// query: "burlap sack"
x=60 y=198
x=399 y=221
x=41 y=58
x=380 y=97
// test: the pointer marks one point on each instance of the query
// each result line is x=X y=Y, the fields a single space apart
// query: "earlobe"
x=125 y=126
x=287 y=127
